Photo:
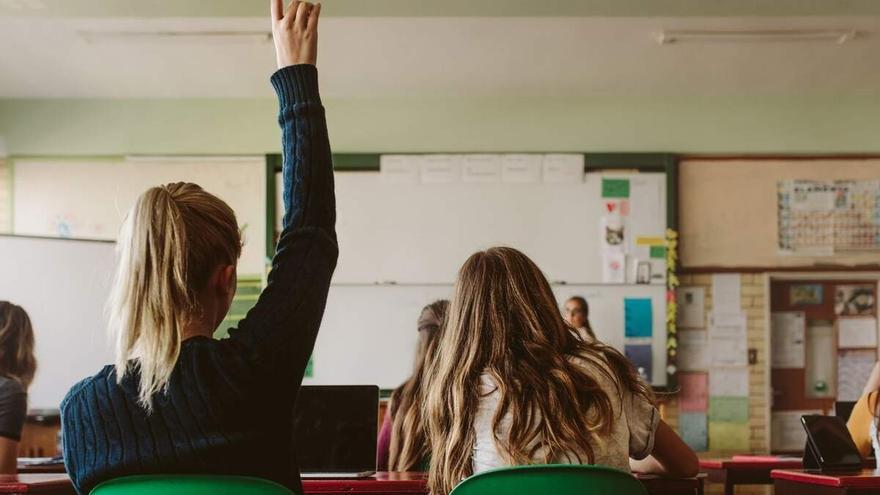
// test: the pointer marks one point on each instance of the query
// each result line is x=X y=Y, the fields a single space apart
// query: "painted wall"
x=831 y=124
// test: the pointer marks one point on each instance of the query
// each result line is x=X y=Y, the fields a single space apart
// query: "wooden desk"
x=47 y=484
x=799 y=482
x=744 y=470
x=416 y=484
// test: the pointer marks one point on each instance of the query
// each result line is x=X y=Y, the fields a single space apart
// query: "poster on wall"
x=806 y=294
x=825 y=217
x=854 y=300
x=691 y=302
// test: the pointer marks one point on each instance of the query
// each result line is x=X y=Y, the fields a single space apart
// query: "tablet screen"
x=832 y=441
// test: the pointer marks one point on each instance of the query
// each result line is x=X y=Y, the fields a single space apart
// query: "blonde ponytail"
x=170 y=242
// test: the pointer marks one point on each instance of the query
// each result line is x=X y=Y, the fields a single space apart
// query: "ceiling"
x=437 y=49
x=445 y=8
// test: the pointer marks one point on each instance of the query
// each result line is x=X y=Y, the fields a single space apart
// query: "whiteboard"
x=369 y=332
x=88 y=199
x=63 y=285
x=422 y=233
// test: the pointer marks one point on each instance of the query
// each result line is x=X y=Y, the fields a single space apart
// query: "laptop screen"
x=335 y=428
x=832 y=442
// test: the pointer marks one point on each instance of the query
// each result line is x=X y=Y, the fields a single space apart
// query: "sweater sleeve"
x=279 y=332
x=859 y=424
x=13 y=409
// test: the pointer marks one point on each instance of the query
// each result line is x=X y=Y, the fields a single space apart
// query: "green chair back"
x=556 y=479
x=187 y=484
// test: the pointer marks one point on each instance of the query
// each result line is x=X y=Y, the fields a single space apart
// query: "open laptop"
x=830 y=446
x=334 y=431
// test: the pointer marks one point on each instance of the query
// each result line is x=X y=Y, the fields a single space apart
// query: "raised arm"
x=280 y=330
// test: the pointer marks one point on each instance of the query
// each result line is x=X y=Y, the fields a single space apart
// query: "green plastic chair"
x=556 y=479
x=189 y=484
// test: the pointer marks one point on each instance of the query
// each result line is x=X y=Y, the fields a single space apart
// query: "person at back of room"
x=511 y=384
x=402 y=442
x=577 y=313
x=177 y=400
x=17 y=368
x=862 y=422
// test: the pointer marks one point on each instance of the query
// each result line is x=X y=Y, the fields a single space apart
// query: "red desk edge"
x=866 y=478
x=750 y=464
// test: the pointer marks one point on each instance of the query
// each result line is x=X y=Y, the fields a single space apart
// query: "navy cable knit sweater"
x=229 y=404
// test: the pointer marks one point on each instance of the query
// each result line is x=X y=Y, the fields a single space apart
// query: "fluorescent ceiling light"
x=185 y=36
x=838 y=36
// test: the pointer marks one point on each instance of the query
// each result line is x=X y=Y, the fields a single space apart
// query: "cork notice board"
x=729 y=210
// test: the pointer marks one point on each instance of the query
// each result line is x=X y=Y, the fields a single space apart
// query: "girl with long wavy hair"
x=511 y=383
x=403 y=445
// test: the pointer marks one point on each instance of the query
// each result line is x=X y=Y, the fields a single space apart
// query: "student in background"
x=178 y=401
x=577 y=313
x=17 y=368
x=862 y=423
x=510 y=384
x=402 y=442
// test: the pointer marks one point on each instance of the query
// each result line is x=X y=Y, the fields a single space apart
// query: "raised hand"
x=295 y=32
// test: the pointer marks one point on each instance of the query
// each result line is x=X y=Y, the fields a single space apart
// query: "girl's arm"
x=280 y=330
x=670 y=456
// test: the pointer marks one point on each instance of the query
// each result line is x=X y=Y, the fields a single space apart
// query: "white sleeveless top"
x=632 y=432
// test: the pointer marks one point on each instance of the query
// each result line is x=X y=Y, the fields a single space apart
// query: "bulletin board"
x=730 y=210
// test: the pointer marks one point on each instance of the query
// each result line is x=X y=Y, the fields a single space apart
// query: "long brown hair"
x=504 y=321
x=409 y=443
x=170 y=242
x=17 y=360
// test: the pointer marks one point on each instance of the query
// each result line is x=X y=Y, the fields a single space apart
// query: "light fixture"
x=175 y=36
x=838 y=36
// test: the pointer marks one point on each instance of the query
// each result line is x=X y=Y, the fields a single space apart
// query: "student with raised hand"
x=402 y=444
x=178 y=401
x=17 y=368
x=511 y=384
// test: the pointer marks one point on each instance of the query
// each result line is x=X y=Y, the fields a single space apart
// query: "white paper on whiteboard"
x=693 y=350
x=726 y=294
x=613 y=268
x=727 y=340
x=856 y=332
x=521 y=169
x=440 y=169
x=691 y=302
x=399 y=169
x=481 y=169
x=788 y=342
x=729 y=382
x=563 y=168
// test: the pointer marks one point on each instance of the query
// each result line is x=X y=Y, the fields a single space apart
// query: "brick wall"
x=754 y=305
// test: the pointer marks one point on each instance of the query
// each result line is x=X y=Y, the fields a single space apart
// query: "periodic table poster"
x=824 y=217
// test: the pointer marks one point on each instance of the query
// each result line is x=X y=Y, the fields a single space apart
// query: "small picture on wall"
x=854 y=300
x=806 y=294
